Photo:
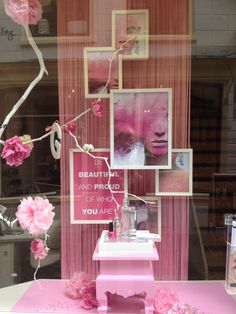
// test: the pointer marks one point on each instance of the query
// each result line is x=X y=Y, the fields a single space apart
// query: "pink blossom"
x=83 y=288
x=24 y=11
x=88 y=296
x=181 y=308
x=164 y=300
x=97 y=108
x=38 y=248
x=15 y=151
x=35 y=215
x=70 y=127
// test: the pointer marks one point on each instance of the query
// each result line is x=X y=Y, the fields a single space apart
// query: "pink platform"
x=208 y=297
x=126 y=275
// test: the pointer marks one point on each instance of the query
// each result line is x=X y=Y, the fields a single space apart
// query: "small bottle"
x=132 y=221
x=125 y=219
x=116 y=226
x=110 y=230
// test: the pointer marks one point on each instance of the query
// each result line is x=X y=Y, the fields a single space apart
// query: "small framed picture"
x=148 y=216
x=178 y=180
x=101 y=75
x=140 y=122
x=131 y=28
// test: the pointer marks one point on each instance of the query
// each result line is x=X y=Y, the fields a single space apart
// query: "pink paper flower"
x=70 y=127
x=24 y=11
x=97 y=108
x=15 y=151
x=164 y=300
x=88 y=296
x=35 y=215
x=83 y=288
x=38 y=248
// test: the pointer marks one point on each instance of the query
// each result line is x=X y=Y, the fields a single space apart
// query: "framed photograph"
x=141 y=123
x=148 y=215
x=178 y=180
x=90 y=199
x=132 y=27
x=99 y=76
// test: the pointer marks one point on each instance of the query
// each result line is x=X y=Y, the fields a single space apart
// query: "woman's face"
x=155 y=126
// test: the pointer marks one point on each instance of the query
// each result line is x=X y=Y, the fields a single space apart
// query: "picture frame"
x=133 y=25
x=178 y=180
x=90 y=198
x=96 y=71
x=141 y=128
x=148 y=215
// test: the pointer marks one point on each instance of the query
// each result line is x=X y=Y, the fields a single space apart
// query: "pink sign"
x=91 y=200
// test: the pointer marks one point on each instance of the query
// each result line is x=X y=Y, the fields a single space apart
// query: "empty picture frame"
x=178 y=180
x=140 y=122
x=132 y=27
x=100 y=75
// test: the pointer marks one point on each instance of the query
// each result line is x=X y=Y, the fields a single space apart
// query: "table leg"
x=102 y=308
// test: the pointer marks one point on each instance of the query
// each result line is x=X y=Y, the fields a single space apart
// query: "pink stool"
x=125 y=275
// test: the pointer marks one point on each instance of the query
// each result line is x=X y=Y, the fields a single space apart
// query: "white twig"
x=32 y=84
x=35 y=273
x=110 y=64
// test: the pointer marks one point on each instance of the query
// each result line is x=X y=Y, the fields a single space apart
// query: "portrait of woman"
x=141 y=129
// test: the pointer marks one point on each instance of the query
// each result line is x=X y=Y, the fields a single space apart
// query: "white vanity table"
x=10 y=257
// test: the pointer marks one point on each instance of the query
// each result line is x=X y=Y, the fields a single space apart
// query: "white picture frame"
x=178 y=180
x=134 y=114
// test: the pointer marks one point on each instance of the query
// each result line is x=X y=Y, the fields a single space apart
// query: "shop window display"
x=122 y=267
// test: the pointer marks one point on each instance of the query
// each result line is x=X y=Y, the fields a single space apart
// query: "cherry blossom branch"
x=110 y=64
x=32 y=84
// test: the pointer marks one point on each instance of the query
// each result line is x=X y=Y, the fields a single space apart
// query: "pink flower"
x=70 y=127
x=181 y=308
x=24 y=11
x=164 y=300
x=88 y=296
x=97 y=108
x=83 y=288
x=35 y=215
x=15 y=151
x=38 y=248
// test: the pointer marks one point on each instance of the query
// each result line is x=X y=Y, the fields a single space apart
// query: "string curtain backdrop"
x=168 y=66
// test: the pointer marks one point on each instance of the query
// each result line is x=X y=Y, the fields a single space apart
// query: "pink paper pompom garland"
x=24 y=12
x=35 y=215
x=39 y=249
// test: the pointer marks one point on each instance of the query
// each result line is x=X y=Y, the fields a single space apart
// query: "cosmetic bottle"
x=125 y=219
x=110 y=230
x=116 y=226
x=132 y=221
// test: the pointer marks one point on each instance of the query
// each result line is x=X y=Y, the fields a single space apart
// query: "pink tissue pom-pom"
x=83 y=288
x=24 y=12
x=39 y=249
x=35 y=215
x=164 y=300
x=97 y=108
x=15 y=151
